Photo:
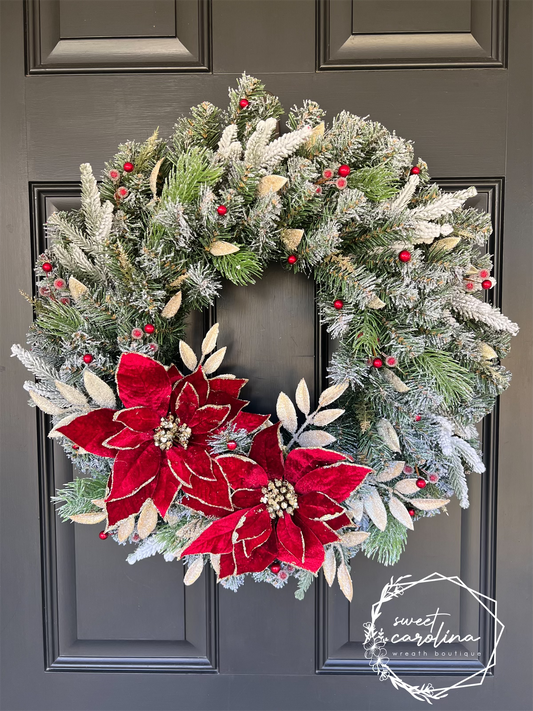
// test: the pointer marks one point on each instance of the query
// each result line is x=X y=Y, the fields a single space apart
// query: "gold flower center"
x=171 y=432
x=279 y=497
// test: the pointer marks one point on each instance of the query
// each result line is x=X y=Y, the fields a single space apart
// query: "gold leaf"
x=291 y=238
x=153 y=176
x=391 y=471
x=194 y=571
x=46 y=405
x=100 y=391
x=487 y=352
x=345 y=581
x=179 y=280
x=407 y=486
x=375 y=509
x=54 y=432
x=400 y=513
x=271 y=184
x=429 y=504
x=215 y=562
x=330 y=566
x=356 y=508
x=316 y=438
x=354 y=538
x=316 y=133
x=172 y=306
x=375 y=303
x=76 y=288
x=126 y=529
x=302 y=397
x=99 y=502
x=286 y=413
x=321 y=419
x=219 y=248
x=147 y=519
x=215 y=361
x=395 y=381
x=333 y=393
x=210 y=339
x=446 y=244
x=188 y=356
x=388 y=434
x=71 y=395
x=95 y=517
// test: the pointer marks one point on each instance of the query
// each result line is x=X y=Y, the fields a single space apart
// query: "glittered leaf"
x=90 y=518
x=407 y=486
x=388 y=434
x=321 y=419
x=286 y=413
x=172 y=306
x=333 y=393
x=316 y=133
x=356 y=507
x=391 y=471
x=375 y=303
x=271 y=184
x=221 y=248
x=302 y=397
x=429 y=504
x=215 y=562
x=345 y=581
x=71 y=395
x=214 y=362
x=210 y=339
x=316 y=438
x=100 y=391
x=291 y=238
x=394 y=380
x=153 y=176
x=354 y=538
x=375 y=509
x=46 y=405
x=330 y=566
x=125 y=529
x=487 y=352
x=400 y=513
x=147 y=519
x=194 y=571
x=76 y=288
x=188 y=356
x=446 y=244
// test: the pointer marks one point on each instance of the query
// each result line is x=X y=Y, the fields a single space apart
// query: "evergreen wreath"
x=171 y=461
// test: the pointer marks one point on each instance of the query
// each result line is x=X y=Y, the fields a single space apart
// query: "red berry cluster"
x=482 y=279
x=329 y=176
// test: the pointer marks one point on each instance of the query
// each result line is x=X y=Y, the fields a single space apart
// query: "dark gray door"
x=81 y=628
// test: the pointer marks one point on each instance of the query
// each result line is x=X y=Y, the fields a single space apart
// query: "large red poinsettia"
x=160 y=439
x=287 y=509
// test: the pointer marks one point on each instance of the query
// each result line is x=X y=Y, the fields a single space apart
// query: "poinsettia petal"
x=89 y=431
x=174 y=457
x=314 y=551
x=290 y=539
x=140 y=419
x=242 y=472
x=253 y=525
x=198 y=461
x=167 y=486
x=249 y=421
x=322 y=531
x=224 y=399
x=174 y=374
x=228 y=566
x=214 y=494
x=208 y=418
x=127 y=439
x=133 y=469
x=266 y=451
x=337 y=480
x=130 y=505
x=301 y=461
x=319 y=506
x=186 y=404
x=258 y=560
x=143 y=381
x=217 y=537
x=246 y=498
x=200 y=383
x=230 y=386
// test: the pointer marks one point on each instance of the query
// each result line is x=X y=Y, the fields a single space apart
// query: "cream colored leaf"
x=76 y=288
x=391 y=471
x=302 y=397
x=72 y=395
x=210 y=339
x=215 y=361
x=153 y=176
x=100 y=391
x=446 y=244
x=354 y=538
x=215 y=562
x=194 y=571
x=429 y=504
x=388 y=434
x=316 y=133
x=345 y=581
x=330 y=566
x=321 y=419
x=400 y=513
x=407 y=486
x=271 y=184
x=291 y=238
x=172 y=306
x=54 y=433
x=89 y=518
x=316 y=438
x=356 y=508
x=188 y=356
x=375 y=508
x=395 y=381
x=98 y=502
x=147 y=519
x=375 y=303
x=125 y=529
x=333 y=393
x=286 y=413
x=487 y=352
x=219 y=248
x=46 y=405
x=179 y=280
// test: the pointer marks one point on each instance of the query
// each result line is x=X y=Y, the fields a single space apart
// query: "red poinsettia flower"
x=160 y=439
x=286 y=509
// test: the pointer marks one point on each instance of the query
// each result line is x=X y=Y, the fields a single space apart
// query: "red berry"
x=418 y=418
x=275 y=568
x=486 y=284
x=292 y=259
x=415 y=170
x=222 y=209
x=243 y=103
x=412 y=512
x=47 y=267
x=103 y=535
x=344 y=170
x=484 y=274
x=377 y=363
x=341 y=183
x=122 y=192
x=421 y=483
x=327 y=173
x=231 y=445
x=88 y=358
x=75 y=446
x=149 y=328
x=338 y=304
x=404 y=256
x=128 y=167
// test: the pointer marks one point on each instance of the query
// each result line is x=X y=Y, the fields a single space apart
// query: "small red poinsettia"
x=160 y=439
x=286 y=509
